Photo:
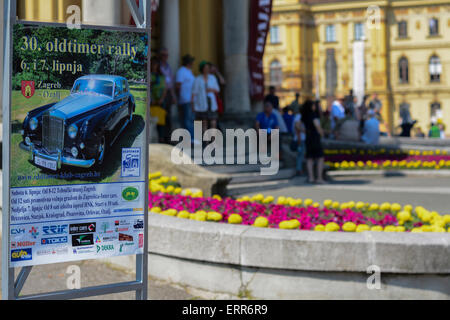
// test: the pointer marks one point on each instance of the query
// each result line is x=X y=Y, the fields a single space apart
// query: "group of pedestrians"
x=350 y=120
x=304 y=123
x=197 y=97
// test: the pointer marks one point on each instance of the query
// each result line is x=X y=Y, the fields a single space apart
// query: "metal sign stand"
x=11 y=287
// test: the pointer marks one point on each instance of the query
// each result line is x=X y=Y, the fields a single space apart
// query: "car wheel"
x=131 y=114
x=101 y=150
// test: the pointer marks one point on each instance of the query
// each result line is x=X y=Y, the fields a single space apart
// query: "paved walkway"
x=54 y=277
x=431 y=192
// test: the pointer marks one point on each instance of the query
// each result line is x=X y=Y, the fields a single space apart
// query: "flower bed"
x=168 y=198
x=383 y=159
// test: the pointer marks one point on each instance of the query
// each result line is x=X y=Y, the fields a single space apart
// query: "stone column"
x=170 y=30
x=1 y=62
x=102 y=12
x=170 y=39
x=236 y=37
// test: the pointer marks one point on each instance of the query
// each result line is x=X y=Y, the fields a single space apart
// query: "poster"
x=77 y=171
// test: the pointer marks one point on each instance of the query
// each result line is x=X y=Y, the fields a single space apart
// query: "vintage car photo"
x=78 y=130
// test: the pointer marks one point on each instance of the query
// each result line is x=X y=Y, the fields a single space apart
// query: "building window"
x=275 y=35
x=434 y=27
x=359 y=31
x=330 y=33
x=403 y=70
x=402 y=29
x=435 y=69
x=276 y=73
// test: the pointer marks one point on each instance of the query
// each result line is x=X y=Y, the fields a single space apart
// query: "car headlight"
x=33 y=124
x=74 y=152
x=72 y=131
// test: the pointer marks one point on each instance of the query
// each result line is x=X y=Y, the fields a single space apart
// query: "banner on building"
x=77 y=141
x=359 y=71
x=260 y=14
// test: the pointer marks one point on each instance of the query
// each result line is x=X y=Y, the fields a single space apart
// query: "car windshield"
x=91 y=86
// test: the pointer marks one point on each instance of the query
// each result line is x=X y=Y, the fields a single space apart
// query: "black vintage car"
x=77 y=130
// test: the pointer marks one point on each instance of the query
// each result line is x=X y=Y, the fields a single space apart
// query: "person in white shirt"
x=184 y=83
x=204 y=97
x=337 y=113
x=371 y=131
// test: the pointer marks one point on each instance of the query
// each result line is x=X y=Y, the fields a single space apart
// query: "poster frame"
x=12 y=286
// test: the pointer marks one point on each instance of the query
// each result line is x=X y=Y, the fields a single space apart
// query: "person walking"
x=204 y=97
x=184 y=83
x=171 y=97
x=157 y=98
x=299 y=141
x=314 y=134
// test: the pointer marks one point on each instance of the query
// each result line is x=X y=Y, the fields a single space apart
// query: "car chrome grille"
x=52 y=133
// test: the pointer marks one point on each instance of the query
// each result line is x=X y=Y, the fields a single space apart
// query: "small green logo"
x=130 y=194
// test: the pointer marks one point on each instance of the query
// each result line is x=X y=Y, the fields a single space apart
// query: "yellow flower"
x=395 y=207
x=332 y=227
x=174 y=179
x=308 y=202
x=156 y=210
x=187 y=192
x=408 y=208
x=178 y=190
x=374 y=207
x=416 y=230
x=217 y=197
x=281 y=200
x=426 y=228
x=447 y=218
x=170 y=213
x=362 y=228
x=426 y=216
x=170 y=189
x=198 y=194
x=400 y=229
x=183 y=215
x=319 y=227
x=235 y=219
x=316 y=205
x=291 y=224
x=390 y=229
x=349 y=227
x=214 y=216
x=261 y=222
x=344 y=206
x=438 y=229
x=376 y=228
x=386 y=206
x=360 y=205
x=268 y=199
x=258 y=197
x=404 y=216
x=327 y=203
x=335 y=205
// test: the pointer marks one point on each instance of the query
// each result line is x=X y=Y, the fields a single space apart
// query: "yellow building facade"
x=406 y=54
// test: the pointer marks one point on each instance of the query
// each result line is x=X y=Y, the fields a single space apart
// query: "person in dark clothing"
x=406 y=128
x=314 y=134
x=273 y=98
